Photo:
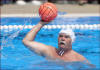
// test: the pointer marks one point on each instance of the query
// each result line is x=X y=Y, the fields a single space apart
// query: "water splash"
x=7 y=42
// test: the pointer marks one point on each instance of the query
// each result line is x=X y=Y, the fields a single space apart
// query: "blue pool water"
x=15 y=56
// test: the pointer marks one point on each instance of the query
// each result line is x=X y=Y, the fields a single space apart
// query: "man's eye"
x=66 y=36
x=60 y=36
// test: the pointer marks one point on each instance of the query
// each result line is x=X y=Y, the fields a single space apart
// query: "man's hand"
x=43 y=22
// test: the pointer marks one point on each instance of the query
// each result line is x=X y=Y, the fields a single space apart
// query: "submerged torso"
x=68 y=57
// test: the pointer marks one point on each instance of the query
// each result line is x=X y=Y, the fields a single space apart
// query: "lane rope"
x=75 y=26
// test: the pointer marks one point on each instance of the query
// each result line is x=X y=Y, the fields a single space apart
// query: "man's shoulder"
x=50 y=49
x=76 y=53
x=79 y=56
x=51 y=52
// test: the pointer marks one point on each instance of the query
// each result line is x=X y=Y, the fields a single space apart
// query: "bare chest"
x=65 y=57
x=72 y=56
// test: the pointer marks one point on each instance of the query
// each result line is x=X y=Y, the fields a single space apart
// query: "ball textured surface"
x=48 y=11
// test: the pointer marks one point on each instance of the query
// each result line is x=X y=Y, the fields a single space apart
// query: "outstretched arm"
x=29 y=42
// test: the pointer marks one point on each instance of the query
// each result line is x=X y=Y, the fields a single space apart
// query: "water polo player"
x=48 y=12
x=63 y=52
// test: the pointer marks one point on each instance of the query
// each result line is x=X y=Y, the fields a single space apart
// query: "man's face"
x=64 y=41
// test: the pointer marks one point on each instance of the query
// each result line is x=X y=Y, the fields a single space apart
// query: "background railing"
x=80 y=2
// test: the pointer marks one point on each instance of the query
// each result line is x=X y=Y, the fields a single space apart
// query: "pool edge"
x=37 y=15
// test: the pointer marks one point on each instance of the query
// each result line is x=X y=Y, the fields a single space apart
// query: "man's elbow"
x=25 y=41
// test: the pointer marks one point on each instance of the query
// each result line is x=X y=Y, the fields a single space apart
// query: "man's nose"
x=62 y=38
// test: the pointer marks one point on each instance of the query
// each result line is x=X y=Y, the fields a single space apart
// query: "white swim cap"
x=68 y=32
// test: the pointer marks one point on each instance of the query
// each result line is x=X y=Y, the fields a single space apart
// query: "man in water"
x=64 y=51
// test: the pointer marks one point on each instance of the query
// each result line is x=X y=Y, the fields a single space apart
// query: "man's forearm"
x=31 y=35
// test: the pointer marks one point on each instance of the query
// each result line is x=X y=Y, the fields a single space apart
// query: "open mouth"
x=62 y=43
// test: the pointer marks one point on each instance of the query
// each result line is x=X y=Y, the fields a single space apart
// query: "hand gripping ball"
x=47 y=12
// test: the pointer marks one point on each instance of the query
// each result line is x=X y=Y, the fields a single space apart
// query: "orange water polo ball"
x=48 y=11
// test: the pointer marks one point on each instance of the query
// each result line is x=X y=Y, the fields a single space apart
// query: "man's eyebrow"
x=67 y=35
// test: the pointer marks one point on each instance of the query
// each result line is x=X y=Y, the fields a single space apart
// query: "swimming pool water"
x=59 y=20
x=15 y=56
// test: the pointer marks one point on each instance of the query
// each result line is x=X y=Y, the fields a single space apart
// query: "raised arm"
x=29 y=42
